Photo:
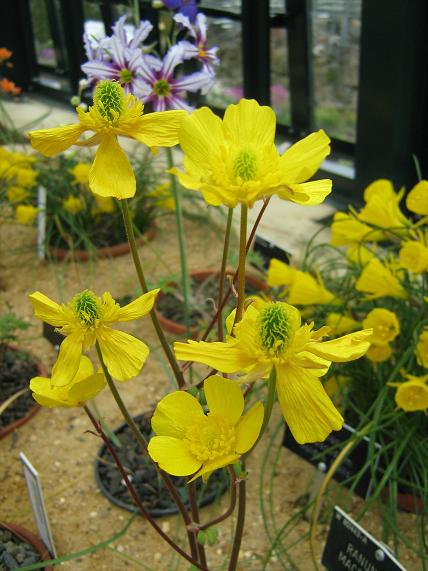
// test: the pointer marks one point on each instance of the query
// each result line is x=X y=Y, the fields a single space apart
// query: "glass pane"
x=226 y=34
x=226 y=5
x=279 y=91
x=336 y=35
x=43 y=41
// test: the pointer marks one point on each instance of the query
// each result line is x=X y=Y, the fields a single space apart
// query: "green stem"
x=223 y=273
x=139 y=269
x=241 y=266
x=181 y=243
x=240 y=521
x=268 y=405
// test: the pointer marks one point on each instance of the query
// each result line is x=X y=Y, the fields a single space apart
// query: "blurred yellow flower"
x=384 y=323
x=412 y=395
x=87 y=319
x=382 y=208
x=235 y=160
x=417 y=199
x=25 y=214
x=279 y=273
x=269 y=336
x=340 y=324
x=113 y=113
x=84 y=386
x=105 y=204
x=80 y=173
x=73 y=204
x=17 y=194
x=163 y=196
x=346 y=229
x=25 y=177
x=379 y=353
x=378 y=281
x=359 y=254
x=422 y=349
x=188 y=440
x=414 y=256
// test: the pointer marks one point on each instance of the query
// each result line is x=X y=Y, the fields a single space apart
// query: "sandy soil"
x=56 y=442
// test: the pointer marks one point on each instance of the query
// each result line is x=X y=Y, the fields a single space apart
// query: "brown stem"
x=136 y=497
x=239 y=530
x=195 y=516
x=232 y=504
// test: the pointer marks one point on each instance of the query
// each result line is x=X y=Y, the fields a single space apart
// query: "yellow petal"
x=279 y=273
x=209 y=467
x=139 y=307
x=86 y=369
x=301 y=161
x=68 y=362
x=175 y=413
x=417 y=199
x=159 y=128
x=50 y=142
x=172 y=456
x=310 y=193
x=248 y=428
x=224 y=357
x=200 y=137
x=249 y=124
x=111 y=173
x=86 y=389
x=46 y=395
x=123 y=354
x=185 y=179
x=346 y=348
x=47 y=310
x=224 y=397
x=306 y=407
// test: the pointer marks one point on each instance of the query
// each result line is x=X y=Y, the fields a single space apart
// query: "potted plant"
x=20 y=548
x=16 y=367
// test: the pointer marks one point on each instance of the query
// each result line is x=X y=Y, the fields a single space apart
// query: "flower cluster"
x=6 y=85
x=125 y=58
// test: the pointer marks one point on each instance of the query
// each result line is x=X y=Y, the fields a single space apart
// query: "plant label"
x=38 y=503
x=323 y=454
x=349 y=547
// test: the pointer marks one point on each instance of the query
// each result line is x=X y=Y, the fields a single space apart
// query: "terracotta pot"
x=200 y=275
x=42 y=372
x=60 y=254
x=406 y=502
x=29 y=537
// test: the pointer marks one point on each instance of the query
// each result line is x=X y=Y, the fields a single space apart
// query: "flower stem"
x=143 y=444
x=239 y=529
x=268 y=405
x=230 y=509
x=140 y=273
x=136 y=497
x=195 y=516
x=223 y=273
x=242 y=259
x=181 y=242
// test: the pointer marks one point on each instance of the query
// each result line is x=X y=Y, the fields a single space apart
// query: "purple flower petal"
x=100 y=70
x=201 y=80
x=118 y=52
x=141 y=34
x=176 y=102
x=146 y=70
x=119 y=30
x=173 y=57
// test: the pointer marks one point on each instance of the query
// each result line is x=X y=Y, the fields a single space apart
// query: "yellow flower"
x=113 y=113
x=304 y=289
x=412 y=395
x=80 y=173
x=360 y=254
x=26 y=214
x=73 y=204
x=17 y=194
x=334 y=383
x=163 y=195
x=346 y=229
x=25 y=177
x=384 y=323
x=270 y=336
x=188 y=441
x=84 y=386
x=422 y=349
x=378 y=281
x=383 y=188
x=382 y=208
x=105 y=204
x=87 y=319
x=340 y=324
x=417 y=199
x=235 y=160
x=414 y=256
x=379 y=353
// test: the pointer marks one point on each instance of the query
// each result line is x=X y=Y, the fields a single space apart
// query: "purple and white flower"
x=199 y=49
x=186 y=7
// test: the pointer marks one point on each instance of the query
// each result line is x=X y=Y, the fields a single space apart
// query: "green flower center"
x=245 y=165
x=109 y=98
x=125 y=76
x=162 y=88
x=274 y=329
x=86 y=306
x=210 y=438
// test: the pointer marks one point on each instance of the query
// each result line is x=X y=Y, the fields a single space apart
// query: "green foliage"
x=10 y=324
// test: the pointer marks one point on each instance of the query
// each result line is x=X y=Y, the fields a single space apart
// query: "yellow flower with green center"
x=25 y=214
x=235 y=160
x=83 y=387
x=384 y=323
x=114 y=113
x=414 y=256
x=378 y=281
x=188 y=440
x=417 y=199
x=422 y=349
x=87 y=319
x=73 y=204
x=269 y=336
x=80 y=173
x=412 y=395
x=17 y=194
